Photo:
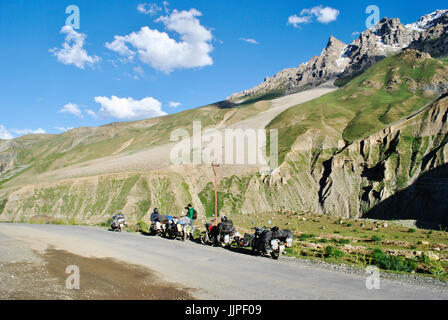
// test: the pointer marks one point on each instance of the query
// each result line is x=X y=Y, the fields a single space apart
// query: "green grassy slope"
x=387 y=92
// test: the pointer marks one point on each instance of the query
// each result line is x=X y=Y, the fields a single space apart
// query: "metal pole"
x=215 y=170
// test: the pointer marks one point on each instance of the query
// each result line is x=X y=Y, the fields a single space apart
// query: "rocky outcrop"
x=316 y=71
x=387 y=38
x=434 y=34
x=338 y=60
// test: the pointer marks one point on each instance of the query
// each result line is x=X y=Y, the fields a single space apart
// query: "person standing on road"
x=191 y=213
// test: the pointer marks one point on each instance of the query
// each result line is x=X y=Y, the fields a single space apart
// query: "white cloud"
x=92 y=114
x=165 y=7
x=28 y=131
x=128 y=108
x=355 y=34
x=249 y=40
x=64 y=129
x=323 y=14
x=174 y=104
x=296 y=20
x=73 y=109
x=149 y=8
x=73 y=51
x=4 y=133
x=164 y=53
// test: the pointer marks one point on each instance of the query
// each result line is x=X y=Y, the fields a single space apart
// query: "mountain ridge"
x=338 y=60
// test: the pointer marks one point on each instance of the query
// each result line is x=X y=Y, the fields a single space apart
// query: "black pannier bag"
x=266 y=237
x=248 y=240
x=226 y=227
x=118 y=217
x=163 y=218
x=283 y=234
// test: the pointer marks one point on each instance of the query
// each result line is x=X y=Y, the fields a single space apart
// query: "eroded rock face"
x=359 y=178
x=388 y=37
x=433 y=39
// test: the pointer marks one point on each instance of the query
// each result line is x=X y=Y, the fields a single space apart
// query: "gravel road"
x=206 y=272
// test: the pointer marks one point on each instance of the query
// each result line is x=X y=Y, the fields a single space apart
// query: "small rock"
x=431 y=255
x=385 y=225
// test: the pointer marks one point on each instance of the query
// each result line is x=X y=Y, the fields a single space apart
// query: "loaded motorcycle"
x=158 y=223
x=175 y=228
x=156 y=228
x=268 y=241
x=119 y=223
x=224 y=234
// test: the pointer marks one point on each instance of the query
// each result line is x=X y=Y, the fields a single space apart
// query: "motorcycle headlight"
x=226 y=238
x=289 y=242
x=274 y=244
x=179 y=228
x=158 y=225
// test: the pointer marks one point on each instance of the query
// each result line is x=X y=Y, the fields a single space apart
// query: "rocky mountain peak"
x=430 y=20
x=335 y=45
x=387 y=37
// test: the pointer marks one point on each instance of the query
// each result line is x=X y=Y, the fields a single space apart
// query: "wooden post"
x=215 y=171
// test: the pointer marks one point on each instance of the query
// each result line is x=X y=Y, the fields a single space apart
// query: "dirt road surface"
x=34 y=258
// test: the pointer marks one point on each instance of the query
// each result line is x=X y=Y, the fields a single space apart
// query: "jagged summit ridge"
x=387 y=37
x=317 y=70
x=428 y=21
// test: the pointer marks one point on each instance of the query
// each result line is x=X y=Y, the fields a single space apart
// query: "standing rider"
x=191 y=213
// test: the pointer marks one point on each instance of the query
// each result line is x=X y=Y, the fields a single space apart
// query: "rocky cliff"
x=318 y=177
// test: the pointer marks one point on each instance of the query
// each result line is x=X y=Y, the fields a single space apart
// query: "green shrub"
x=343 y=241
x=433 y=267
x=305 y=237
x=376 y=239
x=196 y=233
x=107 y=223
x=412 y=230
x=331 y=252
x=143 y=226
x=388 y=262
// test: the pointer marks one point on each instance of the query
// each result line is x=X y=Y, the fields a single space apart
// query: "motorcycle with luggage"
x=158 y=221
x=268 y=241
x=119 y=223
x=223 y=234
x=177 y=228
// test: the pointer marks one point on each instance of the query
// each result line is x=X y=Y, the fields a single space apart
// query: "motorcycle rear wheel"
x=275 y=255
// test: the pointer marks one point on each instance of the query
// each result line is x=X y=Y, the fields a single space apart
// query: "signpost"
x=215 y=171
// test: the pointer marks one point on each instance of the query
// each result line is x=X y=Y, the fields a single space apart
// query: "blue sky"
x=190 y=54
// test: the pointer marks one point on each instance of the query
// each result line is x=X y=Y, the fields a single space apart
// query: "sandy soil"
x=102 y=279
